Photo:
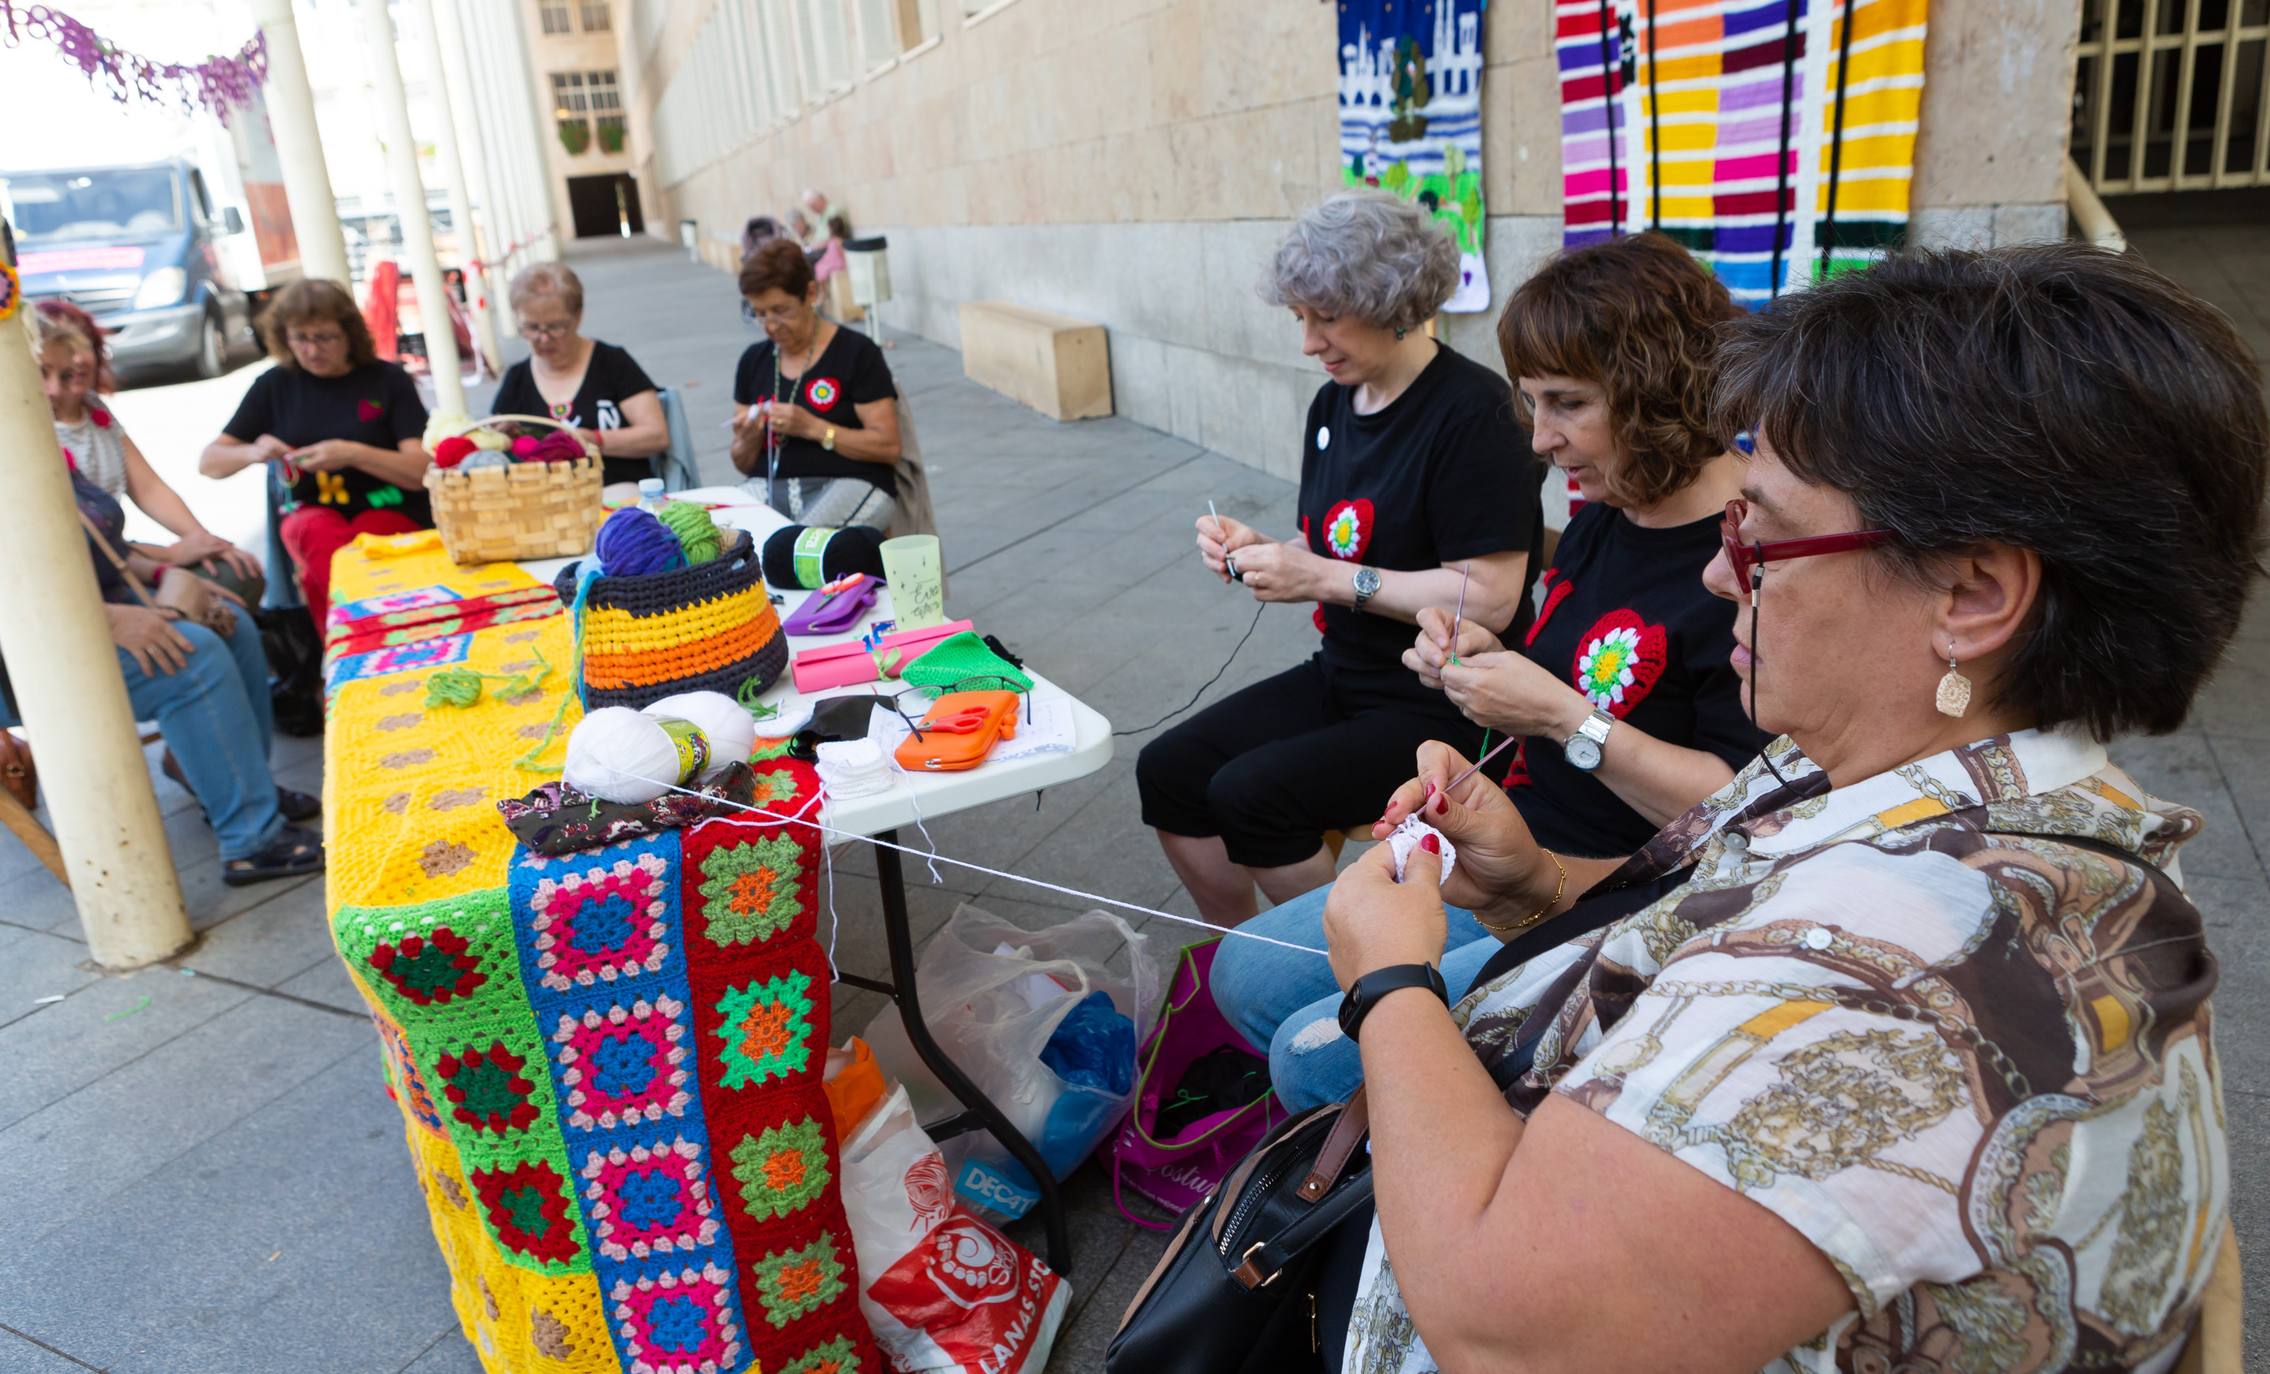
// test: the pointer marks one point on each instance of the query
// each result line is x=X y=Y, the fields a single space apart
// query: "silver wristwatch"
x=1367 y=586
x=1582 y=749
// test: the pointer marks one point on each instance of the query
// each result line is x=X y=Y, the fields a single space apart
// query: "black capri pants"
x=1272 y=768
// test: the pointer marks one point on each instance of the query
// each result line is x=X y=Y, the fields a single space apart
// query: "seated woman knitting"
x=1621 y=694
x=1414 y=483
x=193 y=662
x=817 y=433
x=343 y=426
x=595 y=386
x=1908 y=1064
x=99 y=446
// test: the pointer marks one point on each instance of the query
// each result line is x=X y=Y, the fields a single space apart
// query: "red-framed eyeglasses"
x=1748 y=559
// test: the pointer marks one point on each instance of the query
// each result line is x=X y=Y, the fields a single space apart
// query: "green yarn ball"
x=697 y=533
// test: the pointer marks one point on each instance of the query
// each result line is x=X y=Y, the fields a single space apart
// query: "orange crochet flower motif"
x=767 y=1031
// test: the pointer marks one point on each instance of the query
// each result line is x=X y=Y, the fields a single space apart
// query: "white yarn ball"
x=620 y=755
x=732 y=735
x=1405 y=837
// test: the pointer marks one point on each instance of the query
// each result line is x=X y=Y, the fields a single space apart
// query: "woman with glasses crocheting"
x=342 y=427
x=1414 y=485
x=1905 y=1059
x=1620 y=694
x=817 y=432
x=595 y=386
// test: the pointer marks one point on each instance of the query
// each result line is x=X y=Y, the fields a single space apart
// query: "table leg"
x=900 y=938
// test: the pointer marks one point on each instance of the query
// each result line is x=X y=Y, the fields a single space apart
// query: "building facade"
x=573 y=46
x=1134 y=162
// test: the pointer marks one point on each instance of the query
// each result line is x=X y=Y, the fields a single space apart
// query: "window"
x=824 y=45
x=571 y=111
x=606 y=110
x=890 y=28
x=780 y=60
x=596 y=18
x=555 y=16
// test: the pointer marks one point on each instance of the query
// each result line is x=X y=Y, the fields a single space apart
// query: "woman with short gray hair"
x=1416 y=489
x=596 y=387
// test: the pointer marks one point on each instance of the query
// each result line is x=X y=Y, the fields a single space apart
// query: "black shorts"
x=1274 y=767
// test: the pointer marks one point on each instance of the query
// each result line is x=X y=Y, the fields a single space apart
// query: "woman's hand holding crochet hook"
x=1432 y=649
x=1219 y=537
x=1275 y=571
x=1499 y=861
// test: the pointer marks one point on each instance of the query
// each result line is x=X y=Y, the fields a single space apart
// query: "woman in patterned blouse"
x=1909 y=1066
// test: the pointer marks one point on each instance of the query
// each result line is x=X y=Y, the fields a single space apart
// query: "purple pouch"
x=826 y=613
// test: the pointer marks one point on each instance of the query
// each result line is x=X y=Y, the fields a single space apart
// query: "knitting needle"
x=1465 y=572
x=1476 y=766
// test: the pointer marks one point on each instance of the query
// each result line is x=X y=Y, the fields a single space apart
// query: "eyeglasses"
x=324 y=340
x=545 y=331
x=777 y=315
x=1749 y=560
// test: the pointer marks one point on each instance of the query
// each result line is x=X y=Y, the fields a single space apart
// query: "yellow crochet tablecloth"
x=410 y=790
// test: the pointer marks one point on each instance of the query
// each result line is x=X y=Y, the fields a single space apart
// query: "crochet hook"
x=1465 y=573
x=1476 y=766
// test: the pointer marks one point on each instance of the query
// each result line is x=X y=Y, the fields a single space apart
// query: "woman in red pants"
x=345 y=426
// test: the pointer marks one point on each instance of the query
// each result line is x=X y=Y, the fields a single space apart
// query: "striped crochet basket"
x=709 y=628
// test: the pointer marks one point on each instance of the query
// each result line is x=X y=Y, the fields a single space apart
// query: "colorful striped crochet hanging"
x=1775 y=140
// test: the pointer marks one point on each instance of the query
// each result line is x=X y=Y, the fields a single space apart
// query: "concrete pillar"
x=447 y=62
x=299 y=147
x=410 y=205
x=63 y=671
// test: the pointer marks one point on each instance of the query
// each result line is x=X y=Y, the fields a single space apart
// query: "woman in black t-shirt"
x=594 y=386
x=1413 y=479
x=345 y=427
x=1621 y=689
x=817 y=434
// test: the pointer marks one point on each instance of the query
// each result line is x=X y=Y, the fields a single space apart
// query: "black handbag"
x=1236 y=1290
x=295 y=666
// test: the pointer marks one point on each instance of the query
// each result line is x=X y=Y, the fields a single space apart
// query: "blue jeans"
x=215 y=716
x=1286 y=999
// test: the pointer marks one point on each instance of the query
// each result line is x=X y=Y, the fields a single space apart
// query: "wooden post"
x=442 y=359
x=63 y=671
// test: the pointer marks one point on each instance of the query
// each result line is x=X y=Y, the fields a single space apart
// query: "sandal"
x=295 y=805
x=294 y=853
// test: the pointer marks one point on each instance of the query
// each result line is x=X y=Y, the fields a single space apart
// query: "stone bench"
x=1059 y=366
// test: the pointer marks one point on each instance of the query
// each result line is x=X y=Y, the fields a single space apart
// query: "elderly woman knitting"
x=595 y=386
x=1415 y=483
x=1909 y=1065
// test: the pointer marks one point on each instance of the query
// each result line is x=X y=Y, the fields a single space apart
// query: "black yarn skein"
x=852 y=549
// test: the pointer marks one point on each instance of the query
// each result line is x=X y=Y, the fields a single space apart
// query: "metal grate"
x=2173 y=95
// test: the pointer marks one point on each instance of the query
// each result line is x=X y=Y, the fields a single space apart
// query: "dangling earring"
x=1400 y=331
x=1954 y=688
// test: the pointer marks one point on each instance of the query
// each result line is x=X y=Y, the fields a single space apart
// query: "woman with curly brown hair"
x=1621 y=692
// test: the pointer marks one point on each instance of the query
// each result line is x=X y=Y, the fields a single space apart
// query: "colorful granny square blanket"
x=609 y=1075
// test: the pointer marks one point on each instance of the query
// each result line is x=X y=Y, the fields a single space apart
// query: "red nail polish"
x=1432 y=844
x=1442 y=804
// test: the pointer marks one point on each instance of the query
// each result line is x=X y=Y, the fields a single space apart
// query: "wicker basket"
x=709 y=628
x=524 y=510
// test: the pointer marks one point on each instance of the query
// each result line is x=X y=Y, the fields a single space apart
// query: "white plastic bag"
x=941 y=1289
x=993 y=993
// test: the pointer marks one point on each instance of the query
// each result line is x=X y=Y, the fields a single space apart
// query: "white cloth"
x=99 y=450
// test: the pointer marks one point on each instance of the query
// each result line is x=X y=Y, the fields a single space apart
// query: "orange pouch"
x=960 y=731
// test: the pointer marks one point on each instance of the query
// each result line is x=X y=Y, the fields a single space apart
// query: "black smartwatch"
x=1367 y=990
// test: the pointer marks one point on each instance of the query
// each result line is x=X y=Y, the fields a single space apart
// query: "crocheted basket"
x=524 y=510
x=708 y=628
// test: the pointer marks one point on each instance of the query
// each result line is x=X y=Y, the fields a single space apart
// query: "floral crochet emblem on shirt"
x=1619 y=660
x=367 y=410
x=783 y=1169
x=823 y=393
x=1347 y=529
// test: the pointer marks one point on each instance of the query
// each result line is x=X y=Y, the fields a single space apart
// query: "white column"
x=64 y=674
x=410 y=207
x=447 y=62
x=299 y=147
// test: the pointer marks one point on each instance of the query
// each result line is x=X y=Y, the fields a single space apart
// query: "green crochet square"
x=751 y=891
x=783 y=1169
x=795 y=1283
x=767 y=1029
x=830 y=1357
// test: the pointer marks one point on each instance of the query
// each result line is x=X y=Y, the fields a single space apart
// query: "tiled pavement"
x=199 y=1170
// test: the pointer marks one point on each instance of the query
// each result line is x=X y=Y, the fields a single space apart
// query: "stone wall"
x=1134 y=161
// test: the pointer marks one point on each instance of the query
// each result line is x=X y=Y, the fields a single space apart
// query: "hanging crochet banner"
x=1411 y=116
x=222 y=83
x=1775 y=140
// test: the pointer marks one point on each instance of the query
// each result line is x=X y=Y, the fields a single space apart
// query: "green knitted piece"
x=957 y=658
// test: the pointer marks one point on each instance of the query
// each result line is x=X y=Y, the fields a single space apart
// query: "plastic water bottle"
x=650 y=494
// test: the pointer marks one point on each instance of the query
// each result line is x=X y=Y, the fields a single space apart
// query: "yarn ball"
x=632 y=542
x=854 y=548
x=525 y=446
x=620 y=755
x=455 y=449
x=490 y=441
x=557 y=446
x=484 y=458
x=732 y=735
x=697 y=533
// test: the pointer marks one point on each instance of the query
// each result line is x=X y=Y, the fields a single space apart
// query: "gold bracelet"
x=1540 y=913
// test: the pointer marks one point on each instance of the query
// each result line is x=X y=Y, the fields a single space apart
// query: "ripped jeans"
x=1286 y=999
